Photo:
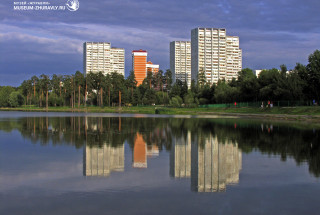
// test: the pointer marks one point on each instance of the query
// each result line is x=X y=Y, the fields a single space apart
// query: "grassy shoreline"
x=290 y=113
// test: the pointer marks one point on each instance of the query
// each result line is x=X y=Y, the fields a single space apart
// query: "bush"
x=16 y=99
x=203 y=101
x=176 y=101
x=162 y=98
x=189 y=100
x=55 y=100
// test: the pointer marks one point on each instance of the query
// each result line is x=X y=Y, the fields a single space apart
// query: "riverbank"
x=280 y=113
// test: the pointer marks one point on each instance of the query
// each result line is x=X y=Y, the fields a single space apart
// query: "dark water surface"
x=64 y=163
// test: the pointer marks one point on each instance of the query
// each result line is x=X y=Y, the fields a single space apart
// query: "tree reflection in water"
x=207 y=150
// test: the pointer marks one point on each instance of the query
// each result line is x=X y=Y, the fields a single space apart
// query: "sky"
x=271 y=33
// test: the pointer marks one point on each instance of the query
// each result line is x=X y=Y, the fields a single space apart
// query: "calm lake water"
x=64 y=163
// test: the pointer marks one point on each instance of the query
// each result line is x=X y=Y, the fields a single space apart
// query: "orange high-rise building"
x=154 y=68
x=139 y=64
x=139 y=152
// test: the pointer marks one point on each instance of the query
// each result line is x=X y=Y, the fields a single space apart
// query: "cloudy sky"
x=272 y=32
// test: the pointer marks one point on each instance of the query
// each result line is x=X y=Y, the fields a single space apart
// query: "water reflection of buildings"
x=101 y=161
x=214 y=165
x=141 y=151
x=180 y=157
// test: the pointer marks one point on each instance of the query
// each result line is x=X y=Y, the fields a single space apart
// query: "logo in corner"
x=72 y=5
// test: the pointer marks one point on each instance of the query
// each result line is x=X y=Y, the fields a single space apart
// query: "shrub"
x=176 y=101
x=16 y=99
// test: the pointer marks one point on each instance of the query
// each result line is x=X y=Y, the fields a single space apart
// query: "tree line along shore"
x=61 y=92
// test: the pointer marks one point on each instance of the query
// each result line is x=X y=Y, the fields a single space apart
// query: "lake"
x=77 y=163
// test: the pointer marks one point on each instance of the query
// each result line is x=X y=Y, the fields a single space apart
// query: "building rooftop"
x=140 y=50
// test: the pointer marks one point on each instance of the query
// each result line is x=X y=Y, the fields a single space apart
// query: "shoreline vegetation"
x=275 y=93
x=303 y=113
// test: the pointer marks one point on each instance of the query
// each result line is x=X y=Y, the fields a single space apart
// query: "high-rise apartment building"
x=139 y=64
x=101 y=57
x=180 y=61
x=117 y=60
x=215 y=54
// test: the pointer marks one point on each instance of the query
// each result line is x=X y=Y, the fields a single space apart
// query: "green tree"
x=136 y=98
x=295 y=86
x=150 y=79
x=80 y=85
x=35 y=81
x=194 y=87
x=106 y=86
x=168 y=79
x=118 y=85
x=26 y=87
x=206 y=94
x=149 y=97
x=313 y=69
x=56 y=85
x=176 y=89
x=99 y=81
x=202 y=78
x=159 y=80
x=16 y=99
x=44 y=84
x=189 y=99
x=92 y=87
x=224 y=93
x=68 y=89
x=268 y=80
x=301 y=71
x=283 y=70
x=131 y=83
x=184 y=89
x=162 y=98
x=249 y=85
x=4 y=96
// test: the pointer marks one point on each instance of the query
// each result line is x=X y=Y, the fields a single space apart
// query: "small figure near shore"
x=262 y=105
x=314 y=102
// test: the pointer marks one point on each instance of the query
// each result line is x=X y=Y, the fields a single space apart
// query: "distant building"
x=215 y=54
x=139 y=64
x=154 y=68
x=117 y=60
x=101 y=57
x=257 y=72
x=180 y=61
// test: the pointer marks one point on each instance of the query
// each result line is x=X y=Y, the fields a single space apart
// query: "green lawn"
x=308 y=110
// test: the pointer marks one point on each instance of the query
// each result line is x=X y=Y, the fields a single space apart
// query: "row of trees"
x=93 y=89
x=302 y=83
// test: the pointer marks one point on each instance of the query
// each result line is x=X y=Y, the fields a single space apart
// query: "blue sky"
x=272 y=32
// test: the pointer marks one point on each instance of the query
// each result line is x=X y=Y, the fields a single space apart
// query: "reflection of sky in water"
x=49 y=179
